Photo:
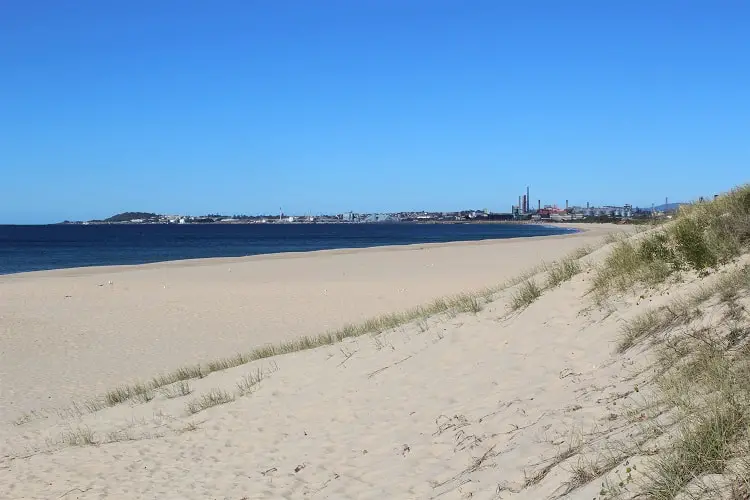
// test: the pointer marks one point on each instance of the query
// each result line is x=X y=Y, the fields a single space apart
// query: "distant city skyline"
x=372 y=106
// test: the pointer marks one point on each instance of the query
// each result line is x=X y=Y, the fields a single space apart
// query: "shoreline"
x=207 y=261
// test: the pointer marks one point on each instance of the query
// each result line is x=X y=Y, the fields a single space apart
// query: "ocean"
x=36 y=248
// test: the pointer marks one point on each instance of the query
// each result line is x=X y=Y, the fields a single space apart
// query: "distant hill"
x=670 y=207
x=128 y=216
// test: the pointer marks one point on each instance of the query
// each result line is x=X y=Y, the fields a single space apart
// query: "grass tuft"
x=525 y=295
x=249 y=382
x=138 y=392
x=179 y=389
x=562 y=271
x=212 y=398
x=703 y=446
x=80 y=436
x=226 y=363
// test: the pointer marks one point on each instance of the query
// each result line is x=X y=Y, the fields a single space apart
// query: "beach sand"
x=457 y=406
x=70 y=334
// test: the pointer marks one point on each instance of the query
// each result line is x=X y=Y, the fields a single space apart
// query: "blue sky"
x=369 y=105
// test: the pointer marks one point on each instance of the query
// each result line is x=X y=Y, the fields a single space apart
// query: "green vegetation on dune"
x=701 y=345
x=703 y=236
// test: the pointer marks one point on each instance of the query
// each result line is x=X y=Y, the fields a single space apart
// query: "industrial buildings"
x=525 y=210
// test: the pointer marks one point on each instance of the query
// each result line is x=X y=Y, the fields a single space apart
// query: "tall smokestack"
x=525 y=204
x=539 y=205
x=587 y=204
x=566 y=204
x=520 y=207
x=528 y=199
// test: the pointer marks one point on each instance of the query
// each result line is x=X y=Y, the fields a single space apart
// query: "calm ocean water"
x=34 y=248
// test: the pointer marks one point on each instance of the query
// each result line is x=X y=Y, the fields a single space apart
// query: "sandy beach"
x=490 y=397
x=70 y=334
x=413 y=412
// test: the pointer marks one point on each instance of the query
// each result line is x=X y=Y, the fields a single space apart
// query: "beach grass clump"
x=702 y=446
x=587 y=469
x=610 y=238
x=703 y=237
x=214 y=397
x=561 y=271
x=643 y=325
x=181 y=374
x=80 y=436
x=525 y=295
x=249 y=382
x=466 y=303
x=139 y=392
x=581 y=252
x=176 y=390
x=226 y=363
x=119 y=436
x=524 y=276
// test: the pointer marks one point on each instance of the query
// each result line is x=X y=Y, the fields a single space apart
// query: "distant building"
x=608 y=211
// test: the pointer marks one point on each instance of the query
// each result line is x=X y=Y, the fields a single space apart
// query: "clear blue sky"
x=367 y=105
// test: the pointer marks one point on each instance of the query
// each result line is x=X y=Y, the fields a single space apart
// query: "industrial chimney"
x=528 y=199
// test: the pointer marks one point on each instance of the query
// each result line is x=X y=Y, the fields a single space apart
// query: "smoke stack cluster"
x=528 y=199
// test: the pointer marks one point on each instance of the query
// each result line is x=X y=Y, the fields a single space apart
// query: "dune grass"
x=249 y=382
x=557 y=273
x=528 y=289
x=138 y=392
x=562 y=271
x=702 y=376
x=702 y=368
x=80 y=436
x=704 y=236
x=525 y=295
x=214 y=397
x=683 y=310
x=703 y=385
x=711 y=390
x=179 y=389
